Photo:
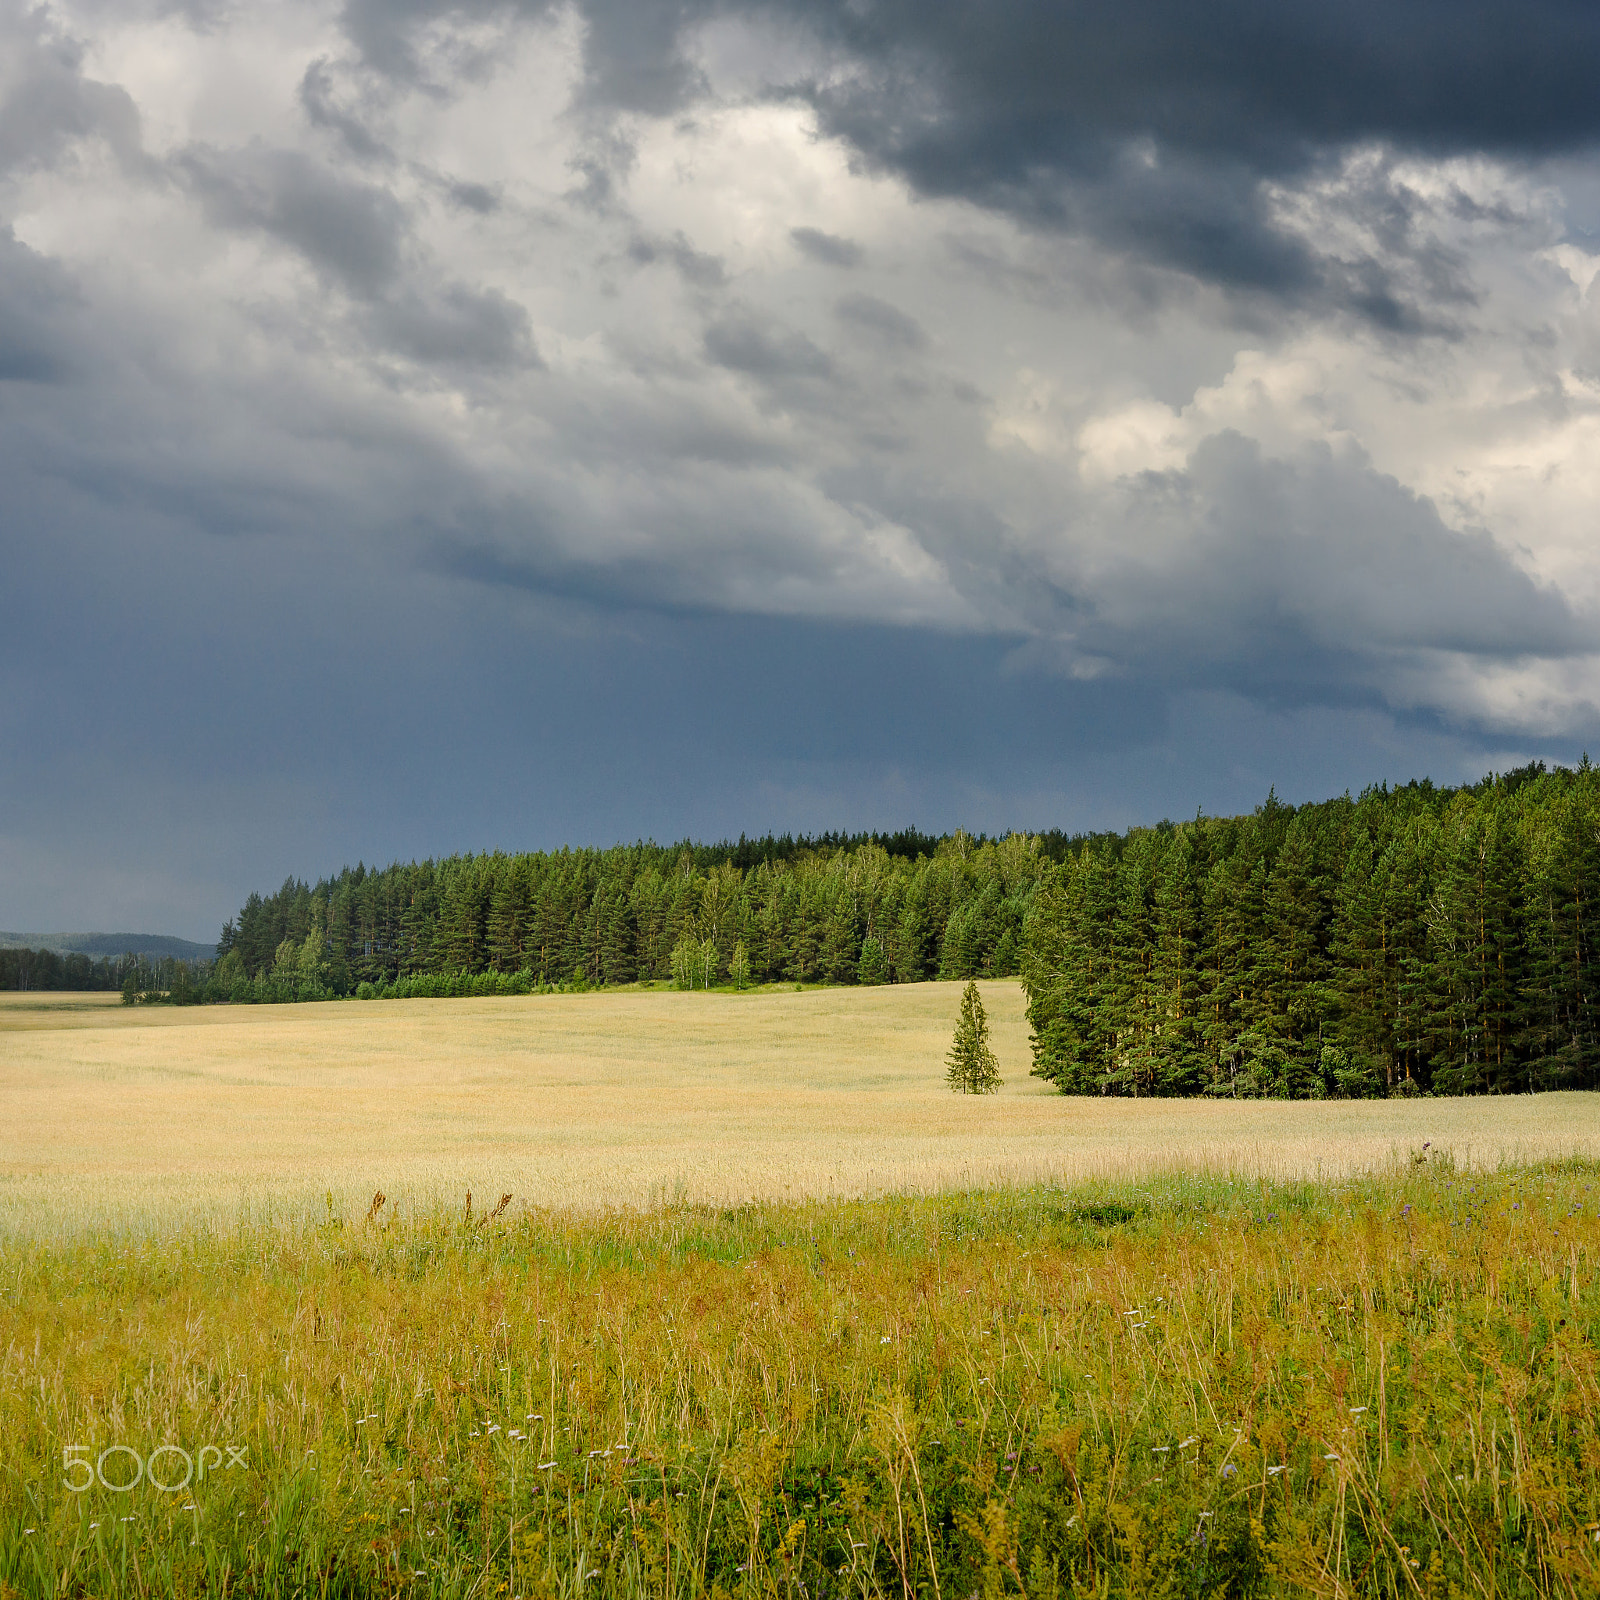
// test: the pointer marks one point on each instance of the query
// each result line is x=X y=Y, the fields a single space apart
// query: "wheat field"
x=1076 y=1355
x=151 y=1116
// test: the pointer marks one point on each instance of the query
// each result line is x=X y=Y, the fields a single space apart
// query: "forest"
x=49 y=969
x=861 y=909
x=1411 y=940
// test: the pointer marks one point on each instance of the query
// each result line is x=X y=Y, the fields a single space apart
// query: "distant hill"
x=100 y=946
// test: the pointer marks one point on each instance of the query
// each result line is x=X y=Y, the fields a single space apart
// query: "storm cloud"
x=434 y=426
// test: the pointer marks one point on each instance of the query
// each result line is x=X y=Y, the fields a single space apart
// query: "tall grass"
x=1185 y=1387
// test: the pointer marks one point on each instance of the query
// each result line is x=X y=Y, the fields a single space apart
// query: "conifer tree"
x=874 y=965
x=508 y=919
x=971 y=1067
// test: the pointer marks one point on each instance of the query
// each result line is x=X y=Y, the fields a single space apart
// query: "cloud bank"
x=706 y=417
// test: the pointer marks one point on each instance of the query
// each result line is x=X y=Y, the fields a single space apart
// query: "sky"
x=429 y=427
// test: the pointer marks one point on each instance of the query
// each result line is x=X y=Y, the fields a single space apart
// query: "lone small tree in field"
x=972 y=1067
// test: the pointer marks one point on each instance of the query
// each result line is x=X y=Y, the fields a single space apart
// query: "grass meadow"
x=768 y=1312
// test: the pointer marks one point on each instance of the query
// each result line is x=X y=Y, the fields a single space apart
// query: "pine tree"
x=508 y=921
x=1175 y=968
x=841 y=939
x=971 y=1065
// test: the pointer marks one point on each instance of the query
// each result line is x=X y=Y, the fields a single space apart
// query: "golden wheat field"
x=150 y=1115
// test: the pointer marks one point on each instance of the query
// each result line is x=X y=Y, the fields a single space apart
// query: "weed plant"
x=1189 y=1387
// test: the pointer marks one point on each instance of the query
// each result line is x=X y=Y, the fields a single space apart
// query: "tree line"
x=825 y=911
x=22 y=969
x=1414 y=939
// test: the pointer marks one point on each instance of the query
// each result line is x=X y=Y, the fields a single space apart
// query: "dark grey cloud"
x=1157 y=126
x=320 y=101
x=1018 y=82
x=481 y=198
x=698 y=268
x=1154 y=126
x=48 y=103
x=750 y=344
x=347 y=229
x=830 y=249
x=38 y=303
x=456 y=326
x=987 y=95
x=386 y=33
x=879 y=318
x=636 y=57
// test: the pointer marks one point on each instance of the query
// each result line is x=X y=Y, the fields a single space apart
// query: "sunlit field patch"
x=1183 y=1386
x=145 y=1117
